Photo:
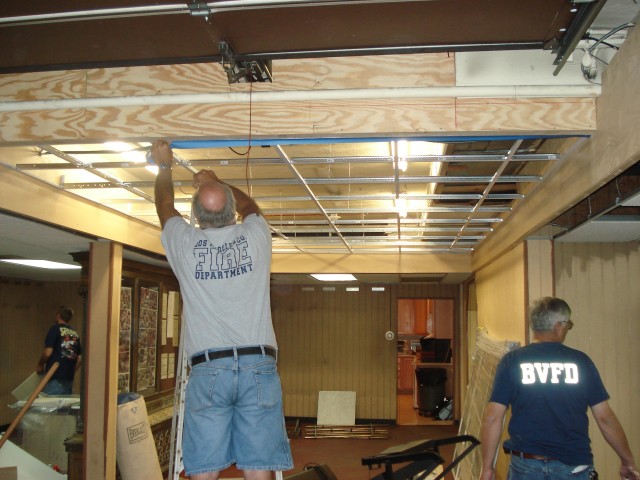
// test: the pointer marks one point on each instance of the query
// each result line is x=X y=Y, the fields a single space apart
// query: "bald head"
x=212 y=196
x=214 y=205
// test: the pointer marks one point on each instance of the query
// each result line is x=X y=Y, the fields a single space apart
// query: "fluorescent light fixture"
x=377 y=289
x=403 y=151
x=401 y=206
x=353 y=289
x=42 y=264
x=117 y=146
x=153 y=169
x=135 y=156
x=334 y=277
x=328 y=289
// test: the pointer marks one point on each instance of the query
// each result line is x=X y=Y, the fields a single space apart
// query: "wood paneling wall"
x=335 y=340
x=500 y=288
x=600 y=281
x=539 y=269
x=27 y=310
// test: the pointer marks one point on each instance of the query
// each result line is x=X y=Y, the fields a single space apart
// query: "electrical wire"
x=610 y=33
x=247 y=154
x=589 y=70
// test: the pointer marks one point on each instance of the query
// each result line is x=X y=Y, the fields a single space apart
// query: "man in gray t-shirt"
x=224 y=272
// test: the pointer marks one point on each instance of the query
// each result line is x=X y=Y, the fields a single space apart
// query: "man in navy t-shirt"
x=550 y=387
x=62 y=345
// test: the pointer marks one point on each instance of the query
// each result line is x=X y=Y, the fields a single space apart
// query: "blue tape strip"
x=268 y=142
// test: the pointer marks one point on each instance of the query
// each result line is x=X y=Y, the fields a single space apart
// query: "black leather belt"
x=530 y=456
x=214 y=354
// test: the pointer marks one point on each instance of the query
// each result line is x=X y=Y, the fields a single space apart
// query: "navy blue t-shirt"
x=550 y=388
x=66 y=347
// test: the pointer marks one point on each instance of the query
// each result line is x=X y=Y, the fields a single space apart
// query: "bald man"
x=233 y=411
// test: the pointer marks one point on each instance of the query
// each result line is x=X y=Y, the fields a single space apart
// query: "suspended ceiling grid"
x=326 y=197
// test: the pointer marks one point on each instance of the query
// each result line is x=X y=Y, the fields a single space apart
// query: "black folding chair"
x=421 y=458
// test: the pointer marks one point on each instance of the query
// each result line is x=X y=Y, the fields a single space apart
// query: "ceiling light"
x=136 y=156
x=401 y=206
x=403 y=151
x=42 y=264
x=153 y=169
x=117 y=146
x=334 y=277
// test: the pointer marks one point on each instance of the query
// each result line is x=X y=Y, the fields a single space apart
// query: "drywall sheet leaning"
x=336 y=408
x=29 y=468
x=482 y=369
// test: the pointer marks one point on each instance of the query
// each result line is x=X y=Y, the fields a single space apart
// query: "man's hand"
x=488 y=474
x=161 y=153
x=204 y=176
x=629 y=472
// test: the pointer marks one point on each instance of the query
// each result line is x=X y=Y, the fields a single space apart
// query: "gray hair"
x=222 y=218
x=546 y=312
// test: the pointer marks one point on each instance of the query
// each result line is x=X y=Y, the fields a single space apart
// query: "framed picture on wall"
x=124 y=350
x=147 y=335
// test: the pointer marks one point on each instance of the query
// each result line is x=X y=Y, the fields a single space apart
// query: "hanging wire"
x=247 y=154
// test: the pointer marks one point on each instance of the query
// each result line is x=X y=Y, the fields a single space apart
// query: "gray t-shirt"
x=224 y=276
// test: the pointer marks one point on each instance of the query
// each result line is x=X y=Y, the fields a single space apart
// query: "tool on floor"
x=28 y=403
x=424 y=458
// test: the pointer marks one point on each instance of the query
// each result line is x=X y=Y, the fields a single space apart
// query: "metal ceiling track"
x=197 y=9
x=293 y=169
x=329 y=181
x=389 y=210
x=294 y=230
x=382 y=221
x=578 y=28
x=472 y=158
x=112 y=181
x=478 y=207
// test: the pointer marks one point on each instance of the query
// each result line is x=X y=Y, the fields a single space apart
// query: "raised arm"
x=245 y=205
x=614 y=434
x=163 y=191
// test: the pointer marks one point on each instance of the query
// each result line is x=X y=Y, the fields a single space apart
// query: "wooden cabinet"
x=406 y=373
x=425 y=316
x=443 y=315
x=405 y=316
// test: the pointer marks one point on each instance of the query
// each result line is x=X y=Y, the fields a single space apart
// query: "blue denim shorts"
x=58 y=387
x=233 y=414
x=528 y=469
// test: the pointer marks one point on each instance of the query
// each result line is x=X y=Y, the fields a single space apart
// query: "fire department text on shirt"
x=218 y=262
x=222 y=274
x=540 y=372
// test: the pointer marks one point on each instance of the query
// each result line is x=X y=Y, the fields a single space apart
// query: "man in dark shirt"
x=550 y=387
x=62 y=345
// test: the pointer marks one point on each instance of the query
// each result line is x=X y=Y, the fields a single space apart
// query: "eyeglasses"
x=569 y=324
